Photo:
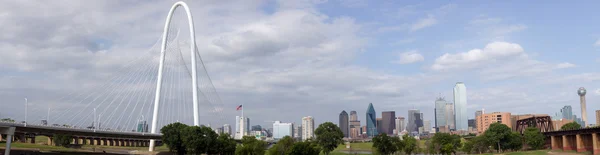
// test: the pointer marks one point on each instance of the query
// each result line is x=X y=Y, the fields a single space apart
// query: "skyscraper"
x=388 y=122
x=308 y=127
x=227 y=129
x=427 y=125
x=243 y=127
x=597 y=117
x=400 y=124
x=440 y=112
x=344 y=126
x=354 y=125
x=567 y=112
x=371 y=120
x=450 y=122
x=378 y=123
x=414 y=120
x=353 y=116
x=581 y=92
x=298 y=132
x=460 y=107
x=142 y=126
x=281 y=130
x=256 y=128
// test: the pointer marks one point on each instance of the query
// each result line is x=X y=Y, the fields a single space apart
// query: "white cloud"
x=492 y=52
x=597 y=92
x=354 y=3
x=423 y=23
x=597 y=43
x=409 y=57
x=565 y=65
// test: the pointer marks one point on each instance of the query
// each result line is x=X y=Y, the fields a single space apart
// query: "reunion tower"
x=581 y=93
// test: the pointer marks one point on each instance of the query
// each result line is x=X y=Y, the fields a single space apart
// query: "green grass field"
x=355 y=146
x=540 y=152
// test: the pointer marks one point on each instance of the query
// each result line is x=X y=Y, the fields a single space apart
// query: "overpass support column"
x=75 y=140
x=595 y=148
x=121 y=142
x=32 y=140
x=567 y=145
x=553 y=143
x=81 y=140
x=50 y=140
x=21 y=138
x=579 y=143
x=87 y=141
x=126 y=141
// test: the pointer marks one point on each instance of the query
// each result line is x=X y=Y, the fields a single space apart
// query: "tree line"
x=498 y=137
x=184 y=139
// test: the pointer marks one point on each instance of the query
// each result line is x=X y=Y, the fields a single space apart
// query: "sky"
x=287 y=59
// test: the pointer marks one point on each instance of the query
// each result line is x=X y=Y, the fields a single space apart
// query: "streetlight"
x=94 y=120
x=25 y=112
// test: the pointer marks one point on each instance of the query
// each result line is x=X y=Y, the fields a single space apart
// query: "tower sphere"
x=581 y=91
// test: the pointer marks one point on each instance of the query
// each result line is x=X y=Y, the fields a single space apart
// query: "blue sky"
x=288 y=59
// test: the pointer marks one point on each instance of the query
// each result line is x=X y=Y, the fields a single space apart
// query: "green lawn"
x=38 y=147
x=355 y=146
x=539 y=152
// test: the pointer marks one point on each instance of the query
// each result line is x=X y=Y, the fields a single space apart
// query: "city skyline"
x=396 y=61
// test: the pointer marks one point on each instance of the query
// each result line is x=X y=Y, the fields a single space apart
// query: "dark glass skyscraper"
x=388 y=122
x=344 y=123
x=371 y=118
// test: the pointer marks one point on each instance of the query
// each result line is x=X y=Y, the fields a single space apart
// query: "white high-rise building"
x=460 y=107
x=281 y=130
x=242 y=126
x=400 y=124
x=308 y=127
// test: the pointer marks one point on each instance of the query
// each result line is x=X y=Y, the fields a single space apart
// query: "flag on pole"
x=238 y=108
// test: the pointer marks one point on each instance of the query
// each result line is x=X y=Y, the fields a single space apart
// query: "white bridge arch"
x=161 y=65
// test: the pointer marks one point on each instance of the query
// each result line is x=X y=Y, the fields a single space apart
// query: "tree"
x=225 y=145
x=468 y=146
x=476 y=144
x=251 y=146
x=571 y=126
x=62 y=140
x=498 y=134
x=7 y=120
x=304 y=148
x=384 y=144
x=515 y=141
x=173 y=138
x=329 y=136
x=200 y=140
x=480 y=144
x=534 y=138
x=445 y=143
x=410 y=144
x=283 y=145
